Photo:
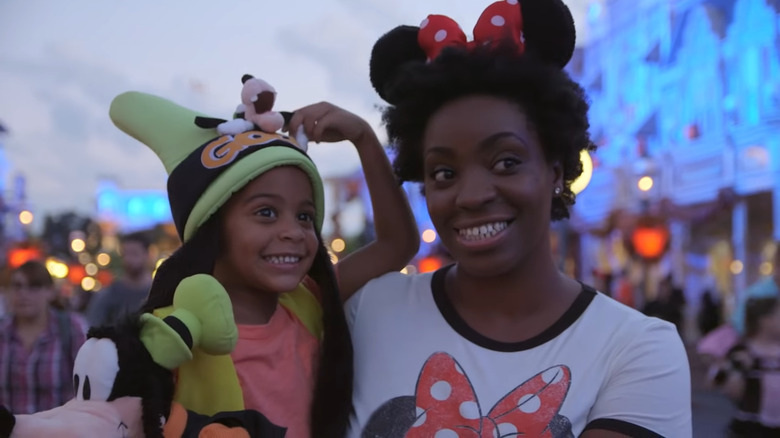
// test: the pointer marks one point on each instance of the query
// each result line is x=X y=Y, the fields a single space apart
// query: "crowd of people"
x=498 y=343
x=42 y=332
x=744 y=355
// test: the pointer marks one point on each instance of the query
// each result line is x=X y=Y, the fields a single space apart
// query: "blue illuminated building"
x=131 y=210
x=688 y=93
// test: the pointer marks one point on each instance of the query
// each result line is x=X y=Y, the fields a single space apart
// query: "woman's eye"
x=266 y=212
x=442 y=174
x=506 y=164
x=306 y=217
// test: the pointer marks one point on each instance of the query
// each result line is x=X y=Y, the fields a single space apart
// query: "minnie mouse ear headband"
x=208 y=159
x=540 y=28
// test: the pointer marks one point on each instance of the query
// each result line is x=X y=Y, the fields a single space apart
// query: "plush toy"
x=124 y=379
x=257 y=99
x=254 y=112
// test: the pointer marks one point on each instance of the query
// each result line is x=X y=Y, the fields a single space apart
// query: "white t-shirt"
x=420 y=371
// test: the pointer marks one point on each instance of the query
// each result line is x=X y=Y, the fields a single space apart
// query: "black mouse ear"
x=287 y=116
x=548 y=29
x=390 y=53
x=246 y=77
x=208 y=122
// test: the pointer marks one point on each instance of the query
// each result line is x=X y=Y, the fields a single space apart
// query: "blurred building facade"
x=685 y=94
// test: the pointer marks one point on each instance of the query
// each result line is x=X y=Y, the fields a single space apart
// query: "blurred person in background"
x=766 y=287
x=625 y=290
x=126 y=294
x=38 y=343
x=80 y=299
x=668 y=305
x=717 y=343
x=709 y=317
x=750 y=373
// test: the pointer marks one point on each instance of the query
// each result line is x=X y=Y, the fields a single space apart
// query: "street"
x=711 y=410
x=711 y=414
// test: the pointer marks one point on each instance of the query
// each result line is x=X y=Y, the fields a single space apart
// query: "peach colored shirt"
x=275 y=367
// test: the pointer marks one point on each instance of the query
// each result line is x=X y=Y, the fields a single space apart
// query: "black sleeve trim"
x=623 y=427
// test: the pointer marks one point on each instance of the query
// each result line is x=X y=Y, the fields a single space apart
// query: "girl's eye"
x=306 y=217
x=266 y=212
x=442 y=174
x=506 y=164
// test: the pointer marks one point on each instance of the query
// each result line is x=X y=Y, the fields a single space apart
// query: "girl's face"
x=27 y=301
x=268 y=233
x=488 y=186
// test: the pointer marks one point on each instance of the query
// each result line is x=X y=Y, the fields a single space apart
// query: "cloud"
x=61 y=65
x=339 y=42
x=60 y=138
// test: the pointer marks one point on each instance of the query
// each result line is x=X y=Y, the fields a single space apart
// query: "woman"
x=750 y=373
x=38 y=344
x=500 y=343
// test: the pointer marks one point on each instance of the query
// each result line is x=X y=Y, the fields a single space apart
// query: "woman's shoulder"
x=629 y=327
x=390 y=292
x=395 y=283
x=620 y=313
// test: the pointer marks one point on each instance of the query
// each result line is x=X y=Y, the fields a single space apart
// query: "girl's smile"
x=268 y=227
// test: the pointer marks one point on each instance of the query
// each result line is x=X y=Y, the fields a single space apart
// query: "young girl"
x=249 y=209
x=38 y=344
x=500 y=343
x=750 y=374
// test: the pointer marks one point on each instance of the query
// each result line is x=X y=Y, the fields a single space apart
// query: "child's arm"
x=397 y=239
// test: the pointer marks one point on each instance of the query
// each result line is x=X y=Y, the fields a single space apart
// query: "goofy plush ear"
x=202 y=317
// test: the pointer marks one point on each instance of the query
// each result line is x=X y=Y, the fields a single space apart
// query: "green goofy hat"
x=205 y=164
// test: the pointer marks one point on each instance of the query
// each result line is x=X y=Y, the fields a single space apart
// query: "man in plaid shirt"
x=37 y=344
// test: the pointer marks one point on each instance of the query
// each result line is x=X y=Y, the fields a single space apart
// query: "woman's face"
x=27 y=301
x=488 y=185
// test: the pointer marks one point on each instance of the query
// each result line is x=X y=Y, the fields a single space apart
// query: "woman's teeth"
x=280 y=260
x=483 y=231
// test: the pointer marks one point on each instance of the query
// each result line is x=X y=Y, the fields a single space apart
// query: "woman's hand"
x=325 y=122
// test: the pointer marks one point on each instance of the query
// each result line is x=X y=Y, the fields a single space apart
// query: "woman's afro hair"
x=555 y=105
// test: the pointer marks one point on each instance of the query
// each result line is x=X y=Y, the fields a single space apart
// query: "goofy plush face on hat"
x=205 y=166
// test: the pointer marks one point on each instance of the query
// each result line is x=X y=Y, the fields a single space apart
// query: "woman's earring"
x=557 y=191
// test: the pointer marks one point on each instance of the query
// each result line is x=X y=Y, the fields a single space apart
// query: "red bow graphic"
x=447 y=405
x=500 y=21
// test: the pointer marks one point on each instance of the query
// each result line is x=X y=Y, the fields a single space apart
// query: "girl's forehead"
x=286 y=182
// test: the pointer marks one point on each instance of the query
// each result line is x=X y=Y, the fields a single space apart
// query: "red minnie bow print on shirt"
x=447 y=406
x=501 y=21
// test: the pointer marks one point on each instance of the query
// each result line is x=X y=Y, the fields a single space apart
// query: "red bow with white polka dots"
x=501 y=21
x=448 y=407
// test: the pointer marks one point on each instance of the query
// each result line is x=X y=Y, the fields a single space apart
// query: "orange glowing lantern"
x=692 y=131
x=650 y=241
x=19 y=256
x=429 y=264
x=104 y=277
x=76 y=273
